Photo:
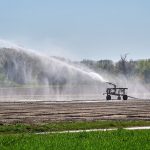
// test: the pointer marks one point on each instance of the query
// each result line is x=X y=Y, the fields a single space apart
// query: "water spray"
x=15 y=56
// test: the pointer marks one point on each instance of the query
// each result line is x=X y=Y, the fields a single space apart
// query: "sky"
x=79 y=29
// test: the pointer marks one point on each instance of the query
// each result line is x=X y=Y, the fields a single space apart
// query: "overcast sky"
x=79 y=29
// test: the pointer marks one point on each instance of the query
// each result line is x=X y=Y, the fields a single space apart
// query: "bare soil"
x=38 y=112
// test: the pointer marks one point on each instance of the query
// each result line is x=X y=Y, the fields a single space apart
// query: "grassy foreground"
x=110 y=140
x=61 y=126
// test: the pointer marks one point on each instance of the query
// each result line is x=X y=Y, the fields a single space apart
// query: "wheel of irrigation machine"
x=125 y=97
x=119 y=98
x=108 y=97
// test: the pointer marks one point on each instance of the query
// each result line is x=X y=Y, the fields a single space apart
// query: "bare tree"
x=122 y=64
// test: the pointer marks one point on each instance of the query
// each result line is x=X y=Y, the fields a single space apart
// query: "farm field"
x=45 y=111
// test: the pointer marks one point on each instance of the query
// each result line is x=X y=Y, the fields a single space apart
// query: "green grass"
x=61 y=126
x=21 y=137
x=110 y=140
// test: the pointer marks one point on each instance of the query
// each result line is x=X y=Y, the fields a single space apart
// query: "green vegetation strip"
x=110 y=140
x=63 y=126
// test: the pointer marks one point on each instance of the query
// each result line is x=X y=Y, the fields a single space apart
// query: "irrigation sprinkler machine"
x=115 y=91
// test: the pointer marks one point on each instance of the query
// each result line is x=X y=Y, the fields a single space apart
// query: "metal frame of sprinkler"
x=116 y=92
